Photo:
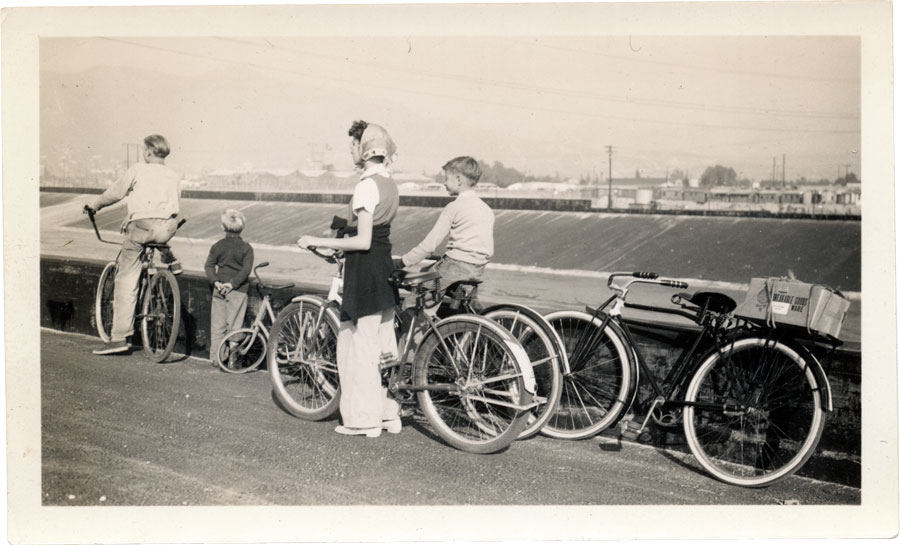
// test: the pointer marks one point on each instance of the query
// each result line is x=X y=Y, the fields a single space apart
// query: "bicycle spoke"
x=776 y=418
x=303 y=351
x=474 y=405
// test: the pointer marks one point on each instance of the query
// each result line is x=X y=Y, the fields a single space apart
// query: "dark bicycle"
x=751 y=398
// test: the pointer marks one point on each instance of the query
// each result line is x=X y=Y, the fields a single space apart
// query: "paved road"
x=119 y=430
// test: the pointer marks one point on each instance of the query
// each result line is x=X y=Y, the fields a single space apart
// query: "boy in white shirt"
x=152 y=190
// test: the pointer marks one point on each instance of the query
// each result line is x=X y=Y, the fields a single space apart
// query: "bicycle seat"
x=710 y=300
x=413 y=278
x=156 y=245
x=462 y=283
x=281 y=286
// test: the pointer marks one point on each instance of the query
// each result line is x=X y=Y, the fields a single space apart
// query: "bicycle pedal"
x=630 y=430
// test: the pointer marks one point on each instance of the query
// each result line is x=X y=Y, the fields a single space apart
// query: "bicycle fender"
x=316 y=300
x=530 y=382
x=821 y=378
x=308 y=299
x=527 y=371
x=539 y=319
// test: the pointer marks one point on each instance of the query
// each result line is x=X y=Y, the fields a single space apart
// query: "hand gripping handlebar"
x=333 y=257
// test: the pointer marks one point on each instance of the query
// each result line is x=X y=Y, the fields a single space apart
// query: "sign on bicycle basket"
x=785 y=301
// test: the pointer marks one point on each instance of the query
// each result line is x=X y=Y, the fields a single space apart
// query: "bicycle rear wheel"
x=160 y=315
x=545 y=351
x=103 y=303
x=472 y=384
x=302 y=360
x=241 y=351
x=754 y=413
x=599 y=381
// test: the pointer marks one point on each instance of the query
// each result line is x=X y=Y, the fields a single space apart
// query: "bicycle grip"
x=263 y=264
x=645 y=275
x=677 y=284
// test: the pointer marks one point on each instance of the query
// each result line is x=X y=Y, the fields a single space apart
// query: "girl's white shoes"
x=390 y=426
x=368 y=432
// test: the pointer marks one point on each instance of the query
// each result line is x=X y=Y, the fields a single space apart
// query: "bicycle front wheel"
x=160 y=315
x=598 y=383
x=545 y=351
x=103 y=304
x=753 y=413
x=302 y=360
x=472 y=385
x=241 y=351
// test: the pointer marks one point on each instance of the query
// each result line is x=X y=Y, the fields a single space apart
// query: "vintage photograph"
x=333 y=266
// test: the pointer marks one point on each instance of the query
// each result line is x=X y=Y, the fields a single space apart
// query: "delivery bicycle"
x=470 y=377
x=158 y=302
x=751 y=398
x=244 y=349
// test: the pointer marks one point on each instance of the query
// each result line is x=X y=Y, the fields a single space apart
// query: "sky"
x=543 y=105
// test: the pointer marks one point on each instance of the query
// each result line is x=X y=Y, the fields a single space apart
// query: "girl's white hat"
x=376 y=141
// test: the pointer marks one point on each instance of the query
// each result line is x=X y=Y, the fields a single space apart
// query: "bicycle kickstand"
x=629 y=429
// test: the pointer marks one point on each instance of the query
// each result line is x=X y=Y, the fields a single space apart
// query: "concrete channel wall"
x=67 y=304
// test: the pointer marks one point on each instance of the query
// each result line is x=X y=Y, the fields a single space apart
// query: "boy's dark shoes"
x=118 y=347
x=175 y=267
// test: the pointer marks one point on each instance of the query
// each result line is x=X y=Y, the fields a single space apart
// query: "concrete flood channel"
x=547 y=259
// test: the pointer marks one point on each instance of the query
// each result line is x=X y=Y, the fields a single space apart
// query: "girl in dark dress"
x=366 y=329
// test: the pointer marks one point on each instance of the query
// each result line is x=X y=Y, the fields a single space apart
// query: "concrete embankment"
x=561 y=237
x=67 y=301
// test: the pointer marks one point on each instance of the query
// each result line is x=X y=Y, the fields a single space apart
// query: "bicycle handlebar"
x=91 y=213
x=645 y=278
x=333 y=257
x=262 y=284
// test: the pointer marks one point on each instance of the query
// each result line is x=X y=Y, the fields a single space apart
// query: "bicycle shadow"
x=671 y=454
x=187 y=339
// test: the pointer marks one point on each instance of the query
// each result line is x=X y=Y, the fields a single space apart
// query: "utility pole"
x=128 y=154
x=773 y=170
x=609 y=195
x=783 y=182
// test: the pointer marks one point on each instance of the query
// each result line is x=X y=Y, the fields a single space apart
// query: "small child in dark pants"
x=228 y=271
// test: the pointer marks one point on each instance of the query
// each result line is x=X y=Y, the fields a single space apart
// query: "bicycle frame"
x=263 y=311
x=666 y=387
x=399 y=380
x=713 y=333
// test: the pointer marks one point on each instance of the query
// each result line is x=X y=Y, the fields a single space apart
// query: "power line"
x=748 y=110
x=688 y=66
x=370 y=84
